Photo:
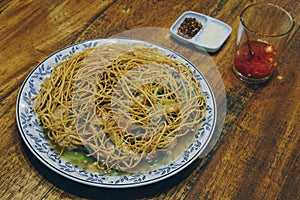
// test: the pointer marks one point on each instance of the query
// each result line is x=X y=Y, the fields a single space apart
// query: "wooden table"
x=257 y=153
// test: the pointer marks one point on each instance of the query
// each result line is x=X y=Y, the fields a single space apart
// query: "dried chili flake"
x=189 y=27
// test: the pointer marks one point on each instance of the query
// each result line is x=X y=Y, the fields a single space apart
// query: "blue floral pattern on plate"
x=33 y=136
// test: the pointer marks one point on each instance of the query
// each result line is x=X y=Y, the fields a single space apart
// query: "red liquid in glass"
x=258 y=65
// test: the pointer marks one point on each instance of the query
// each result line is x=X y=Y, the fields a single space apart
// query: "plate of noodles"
x=116 y=113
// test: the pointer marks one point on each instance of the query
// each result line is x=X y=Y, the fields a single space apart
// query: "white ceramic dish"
x=210 y=37
x=33 y=136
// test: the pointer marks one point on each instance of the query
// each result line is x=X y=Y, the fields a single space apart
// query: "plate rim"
x=108 y=185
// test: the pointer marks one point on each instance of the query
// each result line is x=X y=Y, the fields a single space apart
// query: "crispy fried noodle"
x=122 y=102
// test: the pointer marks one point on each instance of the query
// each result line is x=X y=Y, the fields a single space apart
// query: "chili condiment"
x=260 y=63
x=189 y=27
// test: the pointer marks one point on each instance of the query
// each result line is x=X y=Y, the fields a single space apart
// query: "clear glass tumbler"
x=262 y=36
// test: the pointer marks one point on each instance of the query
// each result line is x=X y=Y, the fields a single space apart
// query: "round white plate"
x=33 y=136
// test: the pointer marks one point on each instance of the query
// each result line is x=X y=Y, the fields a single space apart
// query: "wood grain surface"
x=257 y=154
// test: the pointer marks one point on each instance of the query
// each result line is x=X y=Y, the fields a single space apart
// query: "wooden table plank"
x=257 y=156
x=32 y=30
x=262 y=151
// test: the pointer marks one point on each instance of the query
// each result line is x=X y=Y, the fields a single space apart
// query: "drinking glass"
x=262 y=36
